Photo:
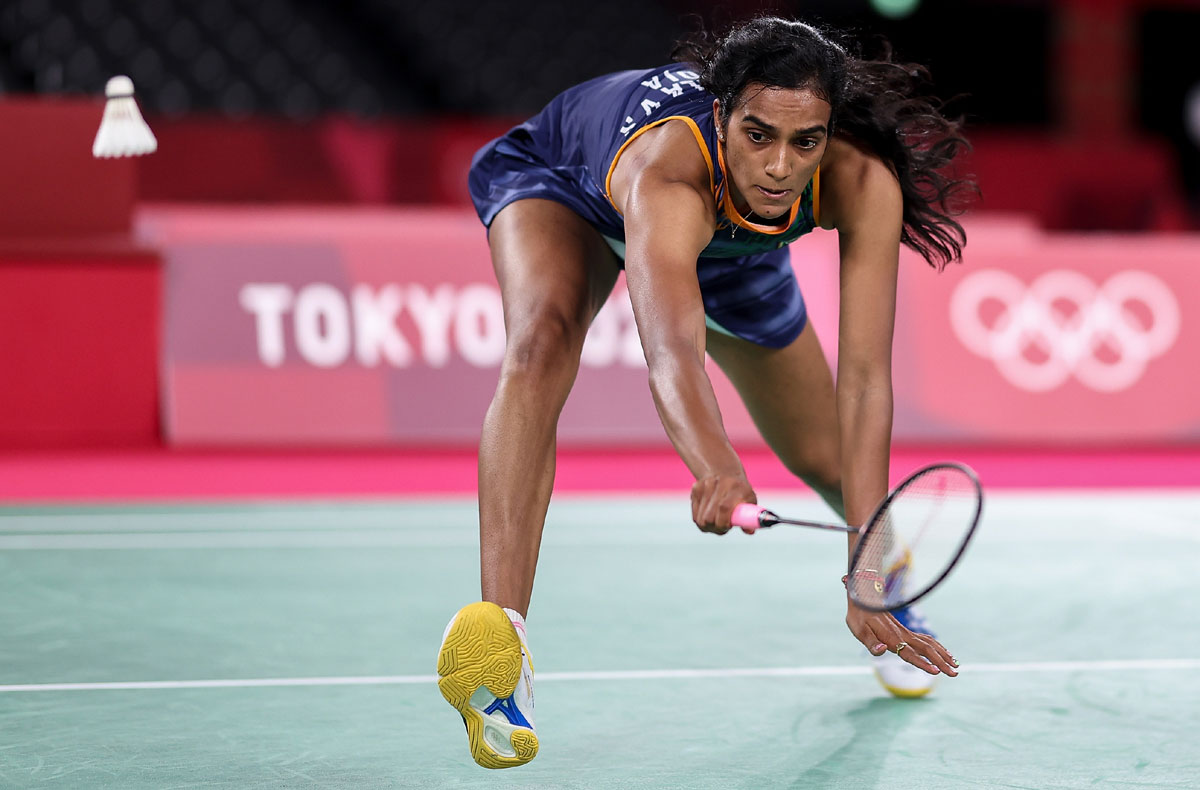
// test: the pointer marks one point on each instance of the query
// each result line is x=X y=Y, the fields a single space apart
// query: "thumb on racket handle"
x=749 y=517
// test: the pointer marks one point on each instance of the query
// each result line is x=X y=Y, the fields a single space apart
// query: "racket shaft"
x=795 y=522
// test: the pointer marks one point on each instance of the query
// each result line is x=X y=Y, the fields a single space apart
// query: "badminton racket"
x=910 y=543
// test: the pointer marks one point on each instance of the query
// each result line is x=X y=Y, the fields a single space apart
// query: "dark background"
x=1075 y=70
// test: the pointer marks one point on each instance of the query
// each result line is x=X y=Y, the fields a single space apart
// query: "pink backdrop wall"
x=373 y=327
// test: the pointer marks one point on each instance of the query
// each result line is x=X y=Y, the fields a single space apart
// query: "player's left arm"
x=862 y=200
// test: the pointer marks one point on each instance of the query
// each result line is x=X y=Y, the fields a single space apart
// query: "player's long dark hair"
x=879 y=103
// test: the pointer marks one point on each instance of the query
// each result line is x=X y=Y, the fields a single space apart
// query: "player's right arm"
x=661 y=186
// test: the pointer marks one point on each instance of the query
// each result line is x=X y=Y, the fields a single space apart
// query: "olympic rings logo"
x=1063 y=324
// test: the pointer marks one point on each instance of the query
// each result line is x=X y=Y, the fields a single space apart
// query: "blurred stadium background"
x=297 y=267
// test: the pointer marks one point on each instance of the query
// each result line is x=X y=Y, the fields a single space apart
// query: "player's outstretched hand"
x=714 y=498
x=880 y=632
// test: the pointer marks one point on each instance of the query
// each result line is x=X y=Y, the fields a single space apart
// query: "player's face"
x=774 y=141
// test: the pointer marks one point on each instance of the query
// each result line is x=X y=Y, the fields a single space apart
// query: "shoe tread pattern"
x=483 y=650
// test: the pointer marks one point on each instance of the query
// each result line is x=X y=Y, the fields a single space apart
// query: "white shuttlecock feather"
x=122 y=132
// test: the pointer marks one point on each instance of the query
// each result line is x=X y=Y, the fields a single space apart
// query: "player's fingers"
x=906 y=644
x=723 y=514
x=730 y=494
x=939 y=647
x=931 y=649
x=709 y=520
x=699 y=498
x=942 y=649
x=702 y=504
x=874 y=645
x=705 y=519
x=719 y=511
x=912 y=650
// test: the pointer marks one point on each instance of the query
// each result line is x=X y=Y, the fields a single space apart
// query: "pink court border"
x=172 y=475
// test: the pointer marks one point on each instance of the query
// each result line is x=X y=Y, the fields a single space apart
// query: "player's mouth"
x=772 y=194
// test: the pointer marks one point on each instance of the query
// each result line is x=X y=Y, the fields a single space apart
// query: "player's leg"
x=555 y=272
x=789 y=394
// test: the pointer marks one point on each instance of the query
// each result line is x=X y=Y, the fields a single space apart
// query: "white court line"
x=1150 y=664
x=327 y=539
x=248 y=539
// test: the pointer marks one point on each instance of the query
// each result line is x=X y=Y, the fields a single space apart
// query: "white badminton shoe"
x=484 y=671
x=895 y=674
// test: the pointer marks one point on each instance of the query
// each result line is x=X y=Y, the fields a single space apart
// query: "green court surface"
x=293 y=646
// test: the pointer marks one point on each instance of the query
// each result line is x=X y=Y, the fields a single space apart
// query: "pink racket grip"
x=746 y=517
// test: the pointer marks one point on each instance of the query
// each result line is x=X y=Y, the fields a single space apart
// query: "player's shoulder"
x=673 y=147
x=854 y=179
x=671 y=152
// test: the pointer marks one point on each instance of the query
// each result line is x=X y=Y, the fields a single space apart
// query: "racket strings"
x=915 y=538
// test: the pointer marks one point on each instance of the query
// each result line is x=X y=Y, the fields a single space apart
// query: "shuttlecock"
x=122 y=131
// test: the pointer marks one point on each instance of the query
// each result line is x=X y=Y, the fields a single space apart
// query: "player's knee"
x=547 y=343
x=821 y=471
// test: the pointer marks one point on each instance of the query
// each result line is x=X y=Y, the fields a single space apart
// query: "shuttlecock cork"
x=122 y=130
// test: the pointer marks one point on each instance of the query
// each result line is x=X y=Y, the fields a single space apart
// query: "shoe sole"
x=482 y=650
x=903 y=693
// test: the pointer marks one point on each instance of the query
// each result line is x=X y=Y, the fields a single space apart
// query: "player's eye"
x=756 y=136
x=807 y=144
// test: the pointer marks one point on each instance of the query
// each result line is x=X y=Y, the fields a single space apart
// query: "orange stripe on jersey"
x=695 y=133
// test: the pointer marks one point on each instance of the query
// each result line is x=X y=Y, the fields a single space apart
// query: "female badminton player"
x=694 y=178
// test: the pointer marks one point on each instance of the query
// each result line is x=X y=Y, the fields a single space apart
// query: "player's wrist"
x=859 y=577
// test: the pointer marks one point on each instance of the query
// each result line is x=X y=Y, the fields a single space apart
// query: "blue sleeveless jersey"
x=568 y=151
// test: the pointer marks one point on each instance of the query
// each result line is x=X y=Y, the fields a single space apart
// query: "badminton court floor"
x=292 y=645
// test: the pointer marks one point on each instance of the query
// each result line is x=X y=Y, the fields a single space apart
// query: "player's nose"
x=779 y=165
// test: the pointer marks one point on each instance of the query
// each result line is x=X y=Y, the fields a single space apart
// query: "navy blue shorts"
x=755 y=297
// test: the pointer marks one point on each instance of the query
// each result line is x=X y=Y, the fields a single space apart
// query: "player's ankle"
x=518 y=622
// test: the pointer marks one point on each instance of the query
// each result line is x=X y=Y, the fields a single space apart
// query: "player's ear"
x=717 y=120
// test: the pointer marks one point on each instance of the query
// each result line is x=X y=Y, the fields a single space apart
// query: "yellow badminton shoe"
x=484 y=671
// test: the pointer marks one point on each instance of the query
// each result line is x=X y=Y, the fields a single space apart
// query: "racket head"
x=915 y=537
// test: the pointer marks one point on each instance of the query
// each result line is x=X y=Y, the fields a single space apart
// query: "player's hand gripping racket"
x=910 y=543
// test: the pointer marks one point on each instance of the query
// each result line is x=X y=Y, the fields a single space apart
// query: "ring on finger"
x=900 y=647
